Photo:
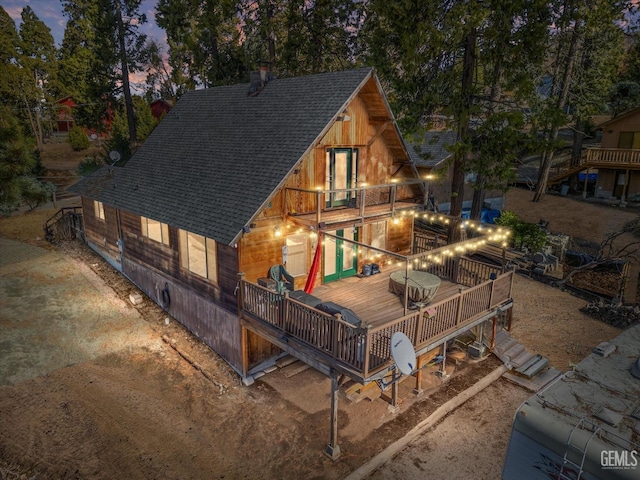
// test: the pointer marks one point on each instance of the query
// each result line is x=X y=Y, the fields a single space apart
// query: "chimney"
x=259 y=79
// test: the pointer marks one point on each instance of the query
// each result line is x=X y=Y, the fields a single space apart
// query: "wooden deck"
x=370 y=298
x=363 y=351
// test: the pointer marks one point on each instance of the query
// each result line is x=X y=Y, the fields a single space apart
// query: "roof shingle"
x=219 y=154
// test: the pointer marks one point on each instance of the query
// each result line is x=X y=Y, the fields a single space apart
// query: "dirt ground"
x=142 y=412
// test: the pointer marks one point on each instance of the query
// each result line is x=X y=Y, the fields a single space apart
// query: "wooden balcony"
x=312 y=207
x=594 y=158
x=471 y=292
x=613 y=158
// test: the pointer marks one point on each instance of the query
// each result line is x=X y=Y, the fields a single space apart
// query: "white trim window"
x=155 y=230
x=297 y=254
x=379 y=235
x=98 y=209
x=198 y=255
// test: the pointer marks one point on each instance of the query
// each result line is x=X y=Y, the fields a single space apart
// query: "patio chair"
x=283 y=279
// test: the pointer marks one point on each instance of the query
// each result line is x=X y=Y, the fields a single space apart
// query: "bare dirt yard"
x=143 y=411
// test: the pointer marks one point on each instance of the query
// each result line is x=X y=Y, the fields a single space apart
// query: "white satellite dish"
x=403 y=353
x=114 y=155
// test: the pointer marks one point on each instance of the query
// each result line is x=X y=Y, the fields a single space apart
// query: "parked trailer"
x=586 y=424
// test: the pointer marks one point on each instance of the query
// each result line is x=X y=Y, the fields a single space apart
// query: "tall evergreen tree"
x=579 y=27
x=460 y=61
x=77 y=52
x=204 y=42
x=37 y=73
x=9 y=40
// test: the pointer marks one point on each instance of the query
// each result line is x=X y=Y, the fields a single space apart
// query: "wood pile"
x=618 y=316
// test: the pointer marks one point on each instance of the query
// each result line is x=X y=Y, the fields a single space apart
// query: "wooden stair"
x=527 y=369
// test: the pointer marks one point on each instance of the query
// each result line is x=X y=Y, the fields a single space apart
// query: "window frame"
x=163 y=230
x=303 y=240
x=98 y=210
x=187 y=243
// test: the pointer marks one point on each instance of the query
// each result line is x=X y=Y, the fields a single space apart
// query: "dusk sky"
x=50 y=12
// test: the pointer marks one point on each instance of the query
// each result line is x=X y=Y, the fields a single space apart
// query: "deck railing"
x=360 y=198
x=365 y=350
x=613 y=155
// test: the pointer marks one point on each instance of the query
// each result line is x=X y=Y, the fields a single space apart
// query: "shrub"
x=35 y=192
x=524 y=235
x=88 y=165
x=78 y=139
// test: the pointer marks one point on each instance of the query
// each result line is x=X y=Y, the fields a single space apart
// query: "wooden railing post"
x=493 y=288
x=363 y=200
x=285 y=315
x=240 y=291
x=318 y=205
x=367 y=351
x=419 y=325
x=460 y=300
x=394 y=189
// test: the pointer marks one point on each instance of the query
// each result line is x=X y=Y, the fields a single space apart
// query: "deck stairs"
x=530 y=370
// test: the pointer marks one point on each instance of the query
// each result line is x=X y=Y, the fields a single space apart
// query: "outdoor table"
x=422 y=286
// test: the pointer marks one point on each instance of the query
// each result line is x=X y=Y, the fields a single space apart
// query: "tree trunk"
x=457 y=182
x=126 y=89
x=578 y=139
x=478 y=199
x=547 y=157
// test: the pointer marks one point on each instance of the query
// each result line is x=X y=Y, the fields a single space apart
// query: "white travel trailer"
x=586 y=424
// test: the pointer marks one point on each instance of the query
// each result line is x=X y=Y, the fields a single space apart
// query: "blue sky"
x=50 y=12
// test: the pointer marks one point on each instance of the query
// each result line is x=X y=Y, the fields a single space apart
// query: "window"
x=629 y=140
x=379 y=235
x=297 y=254
x=198 y=255
x=155 y=230
x=98 y=208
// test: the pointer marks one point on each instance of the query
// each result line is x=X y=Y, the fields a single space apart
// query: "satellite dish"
x=114 y=155
x=403 y=353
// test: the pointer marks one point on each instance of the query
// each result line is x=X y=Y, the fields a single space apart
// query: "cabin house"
x=159 y=108
x=616 y=161
x=278 y=217
x=64 y=114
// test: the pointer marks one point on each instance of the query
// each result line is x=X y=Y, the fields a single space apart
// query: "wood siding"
x=215 y=326
x=101 y=234
x=611 y=131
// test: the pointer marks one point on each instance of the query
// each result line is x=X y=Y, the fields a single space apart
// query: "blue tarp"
x=488 y=215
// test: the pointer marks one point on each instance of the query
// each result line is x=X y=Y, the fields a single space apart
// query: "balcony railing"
x=365 y=351
x=613 y=156
x=366 y=200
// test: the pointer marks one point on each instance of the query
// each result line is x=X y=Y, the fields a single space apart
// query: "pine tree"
x=580 y=26
x=38 y=68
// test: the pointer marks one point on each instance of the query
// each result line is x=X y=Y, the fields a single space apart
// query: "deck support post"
x=418 y=390
x=332 y=450
x=442 y=370
x=494 y=329
x=394 y=407
x=586 y=180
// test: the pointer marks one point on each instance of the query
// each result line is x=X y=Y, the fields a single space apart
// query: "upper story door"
x=341 y=171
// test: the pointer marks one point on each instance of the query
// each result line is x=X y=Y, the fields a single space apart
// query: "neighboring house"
x=310 y=173
x=617 y=160
x=434 y=160
x=585 y=424
x=64 y=114
x=159 y=108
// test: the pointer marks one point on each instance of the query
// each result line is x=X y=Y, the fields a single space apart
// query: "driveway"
x=55 y=312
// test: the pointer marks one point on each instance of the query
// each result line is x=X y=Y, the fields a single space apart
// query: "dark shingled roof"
x=219 y=154
x=433 y=147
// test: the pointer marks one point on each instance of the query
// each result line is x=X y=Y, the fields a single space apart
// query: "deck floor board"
x=370 y=298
